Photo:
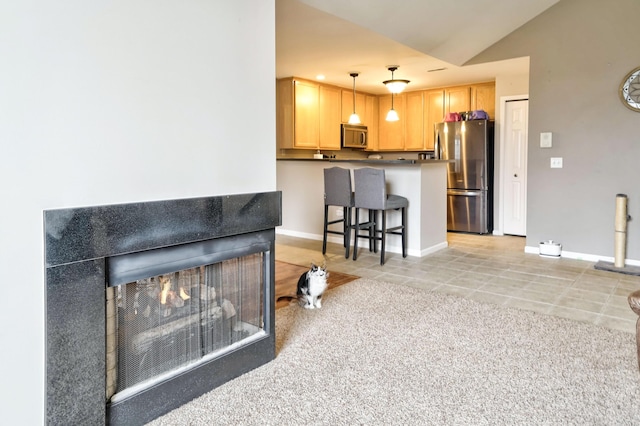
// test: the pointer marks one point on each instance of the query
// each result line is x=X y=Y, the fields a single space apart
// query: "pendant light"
x=392 y=115
x=354 y=119
x=395 y=86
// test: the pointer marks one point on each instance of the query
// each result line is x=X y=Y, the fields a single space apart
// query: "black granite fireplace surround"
x=78 y=245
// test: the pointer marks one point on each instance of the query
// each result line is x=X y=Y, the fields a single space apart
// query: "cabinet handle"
x=515 y=175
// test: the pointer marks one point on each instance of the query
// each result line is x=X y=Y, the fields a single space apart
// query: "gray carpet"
x=383 y=354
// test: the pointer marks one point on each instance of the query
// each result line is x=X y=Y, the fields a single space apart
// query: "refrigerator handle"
x=464 y=192
x=436 y=147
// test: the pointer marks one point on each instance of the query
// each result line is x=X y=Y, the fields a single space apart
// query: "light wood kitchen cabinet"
x=433 y=113
x=457 y=99
x=414 y=121
x=391 y=133
x=420 y=111
x=329 y=117
x=347 y=105
x=307 y=115
x=306 y=97
x=367 y=110
x=483 y=96
x=371 y=114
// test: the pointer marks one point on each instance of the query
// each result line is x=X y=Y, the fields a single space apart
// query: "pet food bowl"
x=550 y=249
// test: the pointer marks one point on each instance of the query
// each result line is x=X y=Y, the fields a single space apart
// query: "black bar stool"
x=337 y=192
x=371 y=194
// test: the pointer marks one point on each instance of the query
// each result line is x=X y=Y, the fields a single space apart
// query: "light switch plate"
x=546 y=140
x=556 y=162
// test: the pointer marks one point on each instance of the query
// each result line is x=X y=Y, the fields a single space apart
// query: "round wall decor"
x=630 y=90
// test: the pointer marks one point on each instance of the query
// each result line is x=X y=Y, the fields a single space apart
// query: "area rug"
x=384 y=354
x=287 y=275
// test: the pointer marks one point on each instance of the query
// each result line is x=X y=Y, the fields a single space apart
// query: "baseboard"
x=434 y=249
x=305 y=235
x=582 y=256
x=390 y=248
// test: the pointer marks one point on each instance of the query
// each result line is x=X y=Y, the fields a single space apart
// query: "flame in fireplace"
x=183 y=294
x=165 y=284
x=167 y=294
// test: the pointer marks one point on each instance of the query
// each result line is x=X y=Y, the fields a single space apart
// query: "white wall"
x=107 y=102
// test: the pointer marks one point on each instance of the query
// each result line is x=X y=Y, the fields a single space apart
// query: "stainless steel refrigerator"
x=470 y=175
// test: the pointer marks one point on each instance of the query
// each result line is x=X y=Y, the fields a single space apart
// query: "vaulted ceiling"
x=430 y=40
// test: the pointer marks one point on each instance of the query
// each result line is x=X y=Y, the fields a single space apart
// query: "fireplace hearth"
x=150 y=305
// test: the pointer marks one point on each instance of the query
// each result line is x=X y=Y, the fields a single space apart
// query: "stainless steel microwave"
x=354 y=136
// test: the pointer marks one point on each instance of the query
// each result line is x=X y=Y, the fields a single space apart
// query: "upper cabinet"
x=471 y=97
x=457 y=99
x=371 y=114
x=419 y=111
x=391 y=133
x=347 y=106
x=367 y=110
x=433 y=113
x=414 y=121
x=329 y=116
x=307 y=115
x=483 y=96
x=305 y=111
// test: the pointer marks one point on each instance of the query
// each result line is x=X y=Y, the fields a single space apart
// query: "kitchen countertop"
x=368 y=160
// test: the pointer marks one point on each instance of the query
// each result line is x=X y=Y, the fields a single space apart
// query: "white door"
x=515 y=167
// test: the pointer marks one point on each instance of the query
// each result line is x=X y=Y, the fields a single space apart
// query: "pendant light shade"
x=392 y=115
x=354 y=118
x=394 y=85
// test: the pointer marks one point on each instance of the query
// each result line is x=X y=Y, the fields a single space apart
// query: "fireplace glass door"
x=164 y=324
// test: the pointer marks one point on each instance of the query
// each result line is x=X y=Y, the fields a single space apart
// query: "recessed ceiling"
x=335 y=38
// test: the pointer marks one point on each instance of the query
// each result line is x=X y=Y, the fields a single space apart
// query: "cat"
x=311 y=286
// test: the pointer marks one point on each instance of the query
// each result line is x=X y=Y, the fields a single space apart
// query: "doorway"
x=515 y=114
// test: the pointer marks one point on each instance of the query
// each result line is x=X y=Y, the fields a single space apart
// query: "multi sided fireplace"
x=149 y=305
x=157 y=326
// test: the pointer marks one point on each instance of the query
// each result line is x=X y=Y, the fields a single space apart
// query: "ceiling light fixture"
x=392 y=115
x=395 y=86
x=354 y=119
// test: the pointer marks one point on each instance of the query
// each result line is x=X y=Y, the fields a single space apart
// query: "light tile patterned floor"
x=491 y=269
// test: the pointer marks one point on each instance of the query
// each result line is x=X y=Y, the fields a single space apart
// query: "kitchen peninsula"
x=423 y=182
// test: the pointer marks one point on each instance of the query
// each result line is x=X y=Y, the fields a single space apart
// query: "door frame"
x=498 y=228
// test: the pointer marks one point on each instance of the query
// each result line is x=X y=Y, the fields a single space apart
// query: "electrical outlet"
x=339 y=212
x=556 y=162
